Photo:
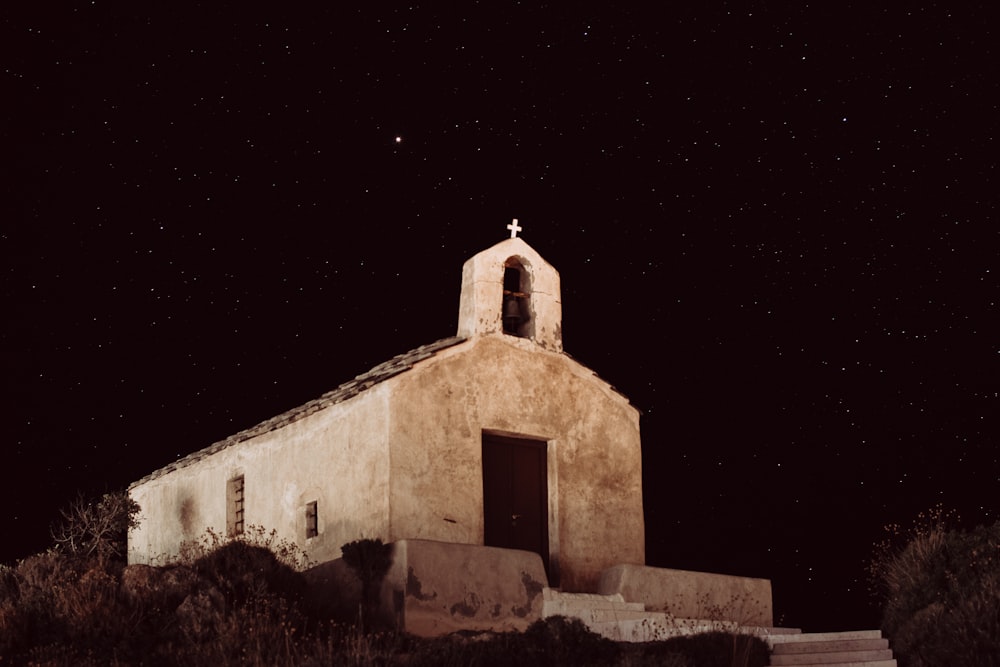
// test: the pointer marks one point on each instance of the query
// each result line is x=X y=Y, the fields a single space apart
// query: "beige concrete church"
x=491 y=454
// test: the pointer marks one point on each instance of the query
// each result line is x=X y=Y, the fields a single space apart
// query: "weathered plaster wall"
x=397 y=452
x=507 y=385
x=434 y=588
x=336 y=457
x=403 y=460
x=479 y=311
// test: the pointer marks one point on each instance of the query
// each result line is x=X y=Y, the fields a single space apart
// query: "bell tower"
x=509 y=290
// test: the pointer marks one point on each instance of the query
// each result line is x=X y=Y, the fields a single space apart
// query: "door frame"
x=550 y=503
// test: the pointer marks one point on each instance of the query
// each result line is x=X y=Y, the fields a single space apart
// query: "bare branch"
x=96 y=527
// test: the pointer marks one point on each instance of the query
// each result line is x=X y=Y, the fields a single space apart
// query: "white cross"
x=514 y=228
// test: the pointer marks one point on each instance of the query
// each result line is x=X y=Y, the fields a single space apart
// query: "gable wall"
x=507 y=385
x=336 y=457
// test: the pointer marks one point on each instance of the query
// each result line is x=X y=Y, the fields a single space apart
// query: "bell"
x=511 y=313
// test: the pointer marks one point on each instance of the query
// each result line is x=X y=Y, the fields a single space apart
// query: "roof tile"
x=398 y=364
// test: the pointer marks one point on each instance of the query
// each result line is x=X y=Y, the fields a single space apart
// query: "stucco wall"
x=507 y=385
x=434 y=588
x=403 y=460
x=336 y=457
x=479 y=311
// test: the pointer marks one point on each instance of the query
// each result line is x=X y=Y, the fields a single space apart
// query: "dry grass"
x=940 y=591
x=239 y=605
x=240 y=602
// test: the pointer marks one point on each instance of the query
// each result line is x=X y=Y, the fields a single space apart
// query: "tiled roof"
x=398 y=364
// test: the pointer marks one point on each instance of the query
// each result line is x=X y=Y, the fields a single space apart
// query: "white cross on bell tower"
x=514 y=228
x=510 y=291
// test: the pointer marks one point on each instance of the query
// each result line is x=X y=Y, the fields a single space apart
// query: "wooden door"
x=515 y=494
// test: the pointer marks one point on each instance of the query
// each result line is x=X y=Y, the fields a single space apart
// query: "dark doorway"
x=515 y=494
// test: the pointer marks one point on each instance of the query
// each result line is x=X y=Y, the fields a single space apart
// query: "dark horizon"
x=775 y=231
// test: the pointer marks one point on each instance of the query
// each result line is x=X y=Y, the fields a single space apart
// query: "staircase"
x=607 y=615
x=612 y=617
x=866 y=648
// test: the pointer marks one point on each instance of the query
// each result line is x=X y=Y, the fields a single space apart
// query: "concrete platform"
x=614 y=618
x=688 y=594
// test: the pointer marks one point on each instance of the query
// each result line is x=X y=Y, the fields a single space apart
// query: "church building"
x=504 y=476
x=492 y=438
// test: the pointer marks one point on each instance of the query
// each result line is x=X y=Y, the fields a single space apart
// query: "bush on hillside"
x=287 y=552
x=235 y=605
x=238 y=603
x=567 y=641
x=940 y=591
x=54 y=598
x=60 y=612
x=707 y=649
x=244 y=572
x=370 y=561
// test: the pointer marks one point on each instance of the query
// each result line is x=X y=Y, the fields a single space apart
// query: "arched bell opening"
x=516 y=306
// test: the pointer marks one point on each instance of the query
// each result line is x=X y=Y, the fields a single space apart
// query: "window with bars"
x=312 y=519
x=235 y=503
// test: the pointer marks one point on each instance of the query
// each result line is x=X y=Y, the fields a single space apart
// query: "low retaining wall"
x=434 y=588
x=439 y=587
x=697 y=595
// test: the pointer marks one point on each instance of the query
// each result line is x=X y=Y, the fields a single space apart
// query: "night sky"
x=776 y=226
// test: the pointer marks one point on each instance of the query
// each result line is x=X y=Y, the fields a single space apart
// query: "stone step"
x=830 y=657
x=657 y=627
x=612 y=617
x=830 y=645
x=867 y=663
x=549 y=593
x=777 y=631
x=825 y=636
x=863 y=648
x=588 y=600
x=632 y=630
x=569 y=607
x=605 y=615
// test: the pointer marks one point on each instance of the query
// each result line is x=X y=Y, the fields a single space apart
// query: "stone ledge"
x=556 y=594
x=683 y=593
x=831 y=657
x=824 y=636
x=571 y=604
x=796 y=647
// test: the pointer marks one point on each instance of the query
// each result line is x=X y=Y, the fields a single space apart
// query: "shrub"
x=235 y=602
x=940 y=590
x=707 y=649
x=370 y=561
x=244 y=572
x=567 y=641
x=287 y=552
x=53 y=597
x=554 y=641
